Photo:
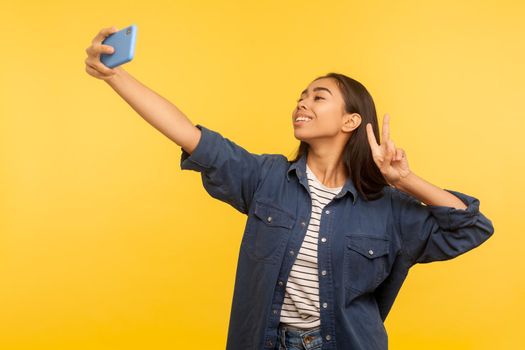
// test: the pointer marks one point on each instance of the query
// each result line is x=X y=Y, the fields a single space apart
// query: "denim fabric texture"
x=298 y=339
x=366 y=247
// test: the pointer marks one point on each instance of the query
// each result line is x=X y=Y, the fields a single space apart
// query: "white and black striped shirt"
x=301 y=298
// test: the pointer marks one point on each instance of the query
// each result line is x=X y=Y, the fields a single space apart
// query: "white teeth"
x=302 y=119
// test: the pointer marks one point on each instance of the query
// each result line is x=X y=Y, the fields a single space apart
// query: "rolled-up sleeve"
x=431 y=233
x=229 y=172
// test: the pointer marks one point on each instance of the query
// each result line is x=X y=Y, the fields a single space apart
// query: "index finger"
x=103 y=34
x=371 y=138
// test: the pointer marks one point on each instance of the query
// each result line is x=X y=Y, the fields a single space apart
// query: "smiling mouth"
x=302 y=119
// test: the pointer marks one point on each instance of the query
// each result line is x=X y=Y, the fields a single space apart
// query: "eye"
x=315 y=98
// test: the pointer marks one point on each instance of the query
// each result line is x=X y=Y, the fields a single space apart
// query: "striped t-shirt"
x=301 y=298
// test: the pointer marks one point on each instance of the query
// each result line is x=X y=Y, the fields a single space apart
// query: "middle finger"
x=390 y=152
x=386 y=127
x=98 y=49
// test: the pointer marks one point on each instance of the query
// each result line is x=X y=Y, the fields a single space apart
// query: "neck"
x=328 y=166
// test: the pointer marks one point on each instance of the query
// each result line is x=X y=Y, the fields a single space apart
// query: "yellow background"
x=106 y=244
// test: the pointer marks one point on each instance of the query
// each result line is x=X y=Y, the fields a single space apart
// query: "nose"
x=301 y=105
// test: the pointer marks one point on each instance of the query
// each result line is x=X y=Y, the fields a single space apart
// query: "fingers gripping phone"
x=123 y=42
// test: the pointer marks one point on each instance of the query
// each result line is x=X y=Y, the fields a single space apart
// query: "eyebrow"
x=316 y=89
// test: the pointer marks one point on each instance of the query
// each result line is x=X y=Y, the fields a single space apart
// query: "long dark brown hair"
x=357 y=155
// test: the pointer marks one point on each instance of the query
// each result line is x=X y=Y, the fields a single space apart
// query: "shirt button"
x=291 y=252
x=328 y=337
x=327 y=211
x=323 y=272
x=323 y=239
x=281 y=283
x=269 y=219
x=325 y=305
x=371 y=252
x=303 y=223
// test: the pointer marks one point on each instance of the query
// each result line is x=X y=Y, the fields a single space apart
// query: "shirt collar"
x=300 y=170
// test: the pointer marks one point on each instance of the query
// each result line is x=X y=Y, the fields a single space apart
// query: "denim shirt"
x=365 y=247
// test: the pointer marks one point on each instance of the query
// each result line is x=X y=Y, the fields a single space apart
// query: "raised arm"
x=155 y=109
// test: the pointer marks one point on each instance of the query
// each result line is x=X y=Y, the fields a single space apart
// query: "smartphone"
x=123 y=42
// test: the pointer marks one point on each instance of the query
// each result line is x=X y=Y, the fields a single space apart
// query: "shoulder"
x=279 y=159
x=274 y=162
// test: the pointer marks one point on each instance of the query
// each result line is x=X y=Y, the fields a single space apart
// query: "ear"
x=351 y=122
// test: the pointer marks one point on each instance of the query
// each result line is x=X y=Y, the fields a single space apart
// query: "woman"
x=330 y=236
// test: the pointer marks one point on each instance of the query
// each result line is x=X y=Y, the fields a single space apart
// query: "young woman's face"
x=323 y=107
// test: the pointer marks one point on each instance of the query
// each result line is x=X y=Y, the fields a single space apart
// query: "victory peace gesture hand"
x=391 y=161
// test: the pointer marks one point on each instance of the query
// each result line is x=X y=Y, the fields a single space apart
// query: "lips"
x=302 y=118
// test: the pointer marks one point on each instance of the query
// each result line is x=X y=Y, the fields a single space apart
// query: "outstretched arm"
x=155 y=109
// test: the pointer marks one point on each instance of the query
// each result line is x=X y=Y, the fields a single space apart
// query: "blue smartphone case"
x=123 y=42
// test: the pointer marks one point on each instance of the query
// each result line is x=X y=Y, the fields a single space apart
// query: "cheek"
x=328 y=121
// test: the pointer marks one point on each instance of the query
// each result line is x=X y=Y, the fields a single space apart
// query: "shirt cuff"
x=204 y=153
x=450 y=218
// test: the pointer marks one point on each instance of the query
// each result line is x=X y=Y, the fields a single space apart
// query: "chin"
x=300 y=135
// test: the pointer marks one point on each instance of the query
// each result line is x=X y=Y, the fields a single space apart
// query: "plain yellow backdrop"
x=106 y=244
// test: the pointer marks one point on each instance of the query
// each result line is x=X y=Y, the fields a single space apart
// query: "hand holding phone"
x=123 y=43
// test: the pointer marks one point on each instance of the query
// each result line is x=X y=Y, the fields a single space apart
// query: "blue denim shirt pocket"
x=267 y=230
x=365 y=261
